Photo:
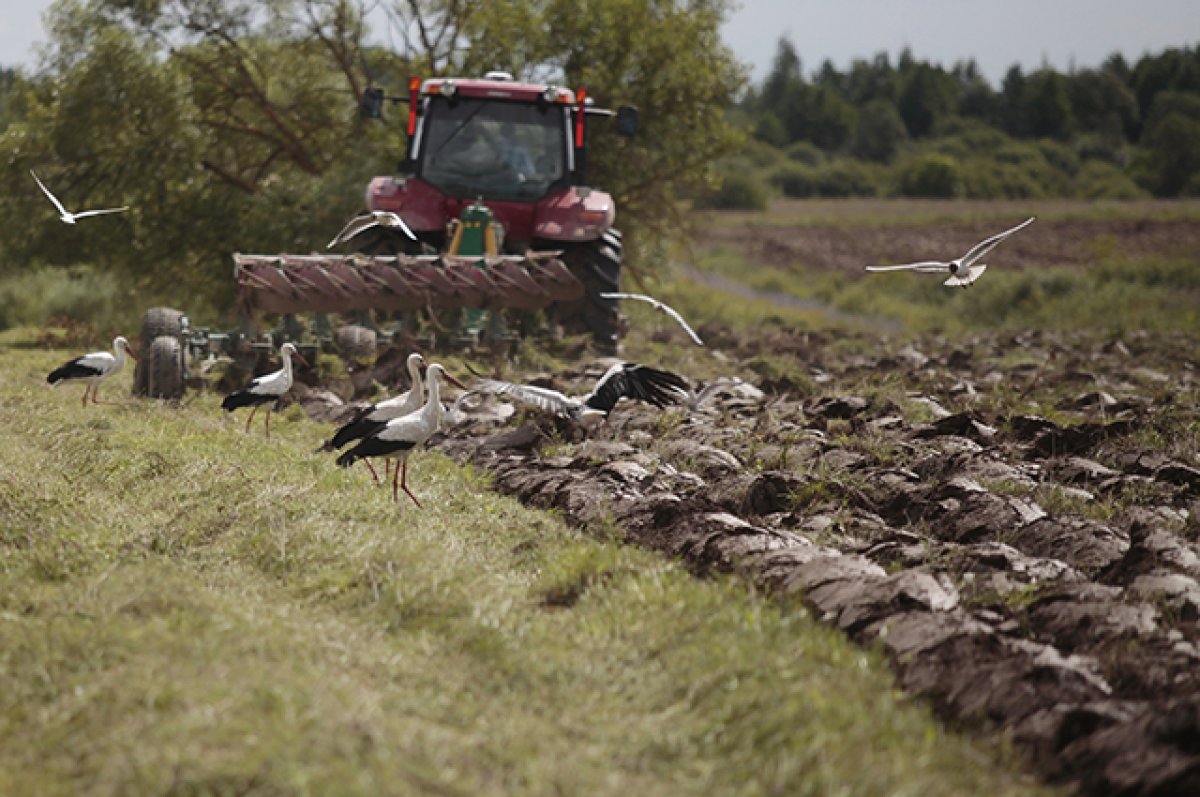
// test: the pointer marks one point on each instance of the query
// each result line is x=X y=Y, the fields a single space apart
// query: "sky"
x=1061 y=33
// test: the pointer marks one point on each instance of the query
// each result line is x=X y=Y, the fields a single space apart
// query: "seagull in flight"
x=67 y=216
x=623 y=380
x=365 y=221
x=962 y=271
x=657 y=305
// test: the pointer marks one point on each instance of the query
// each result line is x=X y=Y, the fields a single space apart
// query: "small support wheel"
x=156 y=322
x=165 y=368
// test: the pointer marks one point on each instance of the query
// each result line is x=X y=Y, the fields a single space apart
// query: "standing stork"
x=93 y=368
x=371 y=419
x=398 y=437
x=265 y=389
x=623 y=380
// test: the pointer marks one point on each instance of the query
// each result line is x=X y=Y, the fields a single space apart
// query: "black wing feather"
x=72 y=370
x=244 y=398
x=373 y=447
x=358 y=427
x=651 y=385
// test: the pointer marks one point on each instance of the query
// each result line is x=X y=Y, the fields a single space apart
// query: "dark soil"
x=1014 y=520
x=1073 y=242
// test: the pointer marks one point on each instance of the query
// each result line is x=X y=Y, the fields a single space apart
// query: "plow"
x=490 y=213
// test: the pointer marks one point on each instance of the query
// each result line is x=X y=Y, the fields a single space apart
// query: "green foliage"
x=930 y=175
x=36 y=296
x=880 y=112
x=738 y=190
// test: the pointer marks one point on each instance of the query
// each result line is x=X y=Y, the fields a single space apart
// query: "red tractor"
x=491 y=211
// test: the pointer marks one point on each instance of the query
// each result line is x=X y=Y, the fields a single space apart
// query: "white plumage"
x=622 y=380
x=376 y=218
x=92 y=368
x=397 y=438
x=66 y=216
x=661 y=307
x=265 y=389
x=962 y=271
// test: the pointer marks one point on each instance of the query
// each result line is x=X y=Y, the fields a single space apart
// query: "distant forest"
x=913 y=128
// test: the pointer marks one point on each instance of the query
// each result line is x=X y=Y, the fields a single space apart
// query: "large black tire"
x=156 y=322
x=164 y=362
x=597 y=264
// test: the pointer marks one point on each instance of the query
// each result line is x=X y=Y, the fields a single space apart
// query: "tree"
x=1168 y=159
x=1045 y=105
x=928 y=95
x=879 y=133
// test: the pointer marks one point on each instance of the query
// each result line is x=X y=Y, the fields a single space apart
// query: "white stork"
x=623 y=380
x=93 y=368
x=962 y=271
x=371 y=419
x=66 y=216
x=265 y=389
x=399 y=436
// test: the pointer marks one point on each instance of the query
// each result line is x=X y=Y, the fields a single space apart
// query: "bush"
x=847 y=177
x=930 y=175
x=806 y=152
x=795 y=181
x=987 y=179
x=80 y=294
x=1101 y=180
x=739 y=190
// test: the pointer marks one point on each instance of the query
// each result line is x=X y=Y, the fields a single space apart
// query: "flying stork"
x=622 y=380
x=397 y=438
x=265 y=389
x=93 y=368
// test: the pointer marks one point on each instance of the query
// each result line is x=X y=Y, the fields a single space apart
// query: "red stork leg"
x=404 y=482
x=395 y=493
x=86 y=388
x=253 y=410
x=267 y=424
x=387 y=463
x=371 y=468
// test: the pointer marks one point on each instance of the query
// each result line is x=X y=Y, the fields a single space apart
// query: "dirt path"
x=1015 y=521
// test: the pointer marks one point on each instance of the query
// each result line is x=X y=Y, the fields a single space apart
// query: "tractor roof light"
x=581 y=97
x=414 y=104
x=448 y=88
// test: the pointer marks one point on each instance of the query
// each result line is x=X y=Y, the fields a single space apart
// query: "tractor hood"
x=576 y=214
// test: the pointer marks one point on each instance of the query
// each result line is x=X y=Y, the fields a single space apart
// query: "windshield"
x=501 y=150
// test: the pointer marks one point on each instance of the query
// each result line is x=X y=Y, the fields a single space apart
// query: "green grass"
x=187 y=610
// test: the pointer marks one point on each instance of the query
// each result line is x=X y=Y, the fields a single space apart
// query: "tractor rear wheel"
x=165 y=368
x=597 y=264
x=156 y=322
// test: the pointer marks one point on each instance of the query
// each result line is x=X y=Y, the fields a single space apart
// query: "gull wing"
x=641 y=382
x=924 y=267
x=541 y=397
x=81 y=214
x=983 y=247
x=659 y=305
x=49 y=195
x=366 y=221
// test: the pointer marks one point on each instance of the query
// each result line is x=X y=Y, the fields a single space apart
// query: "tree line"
x=911 y=127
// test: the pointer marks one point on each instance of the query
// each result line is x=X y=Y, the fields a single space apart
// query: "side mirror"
x=370 y=105
x=627 y=120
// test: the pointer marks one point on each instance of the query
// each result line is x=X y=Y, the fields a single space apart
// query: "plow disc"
x=343 y=283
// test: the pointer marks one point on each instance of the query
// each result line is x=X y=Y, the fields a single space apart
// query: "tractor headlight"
x=448 y=88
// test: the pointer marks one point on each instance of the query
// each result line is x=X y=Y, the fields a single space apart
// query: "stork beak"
x=300 y=357
x=131 y=353
x=455 y=382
